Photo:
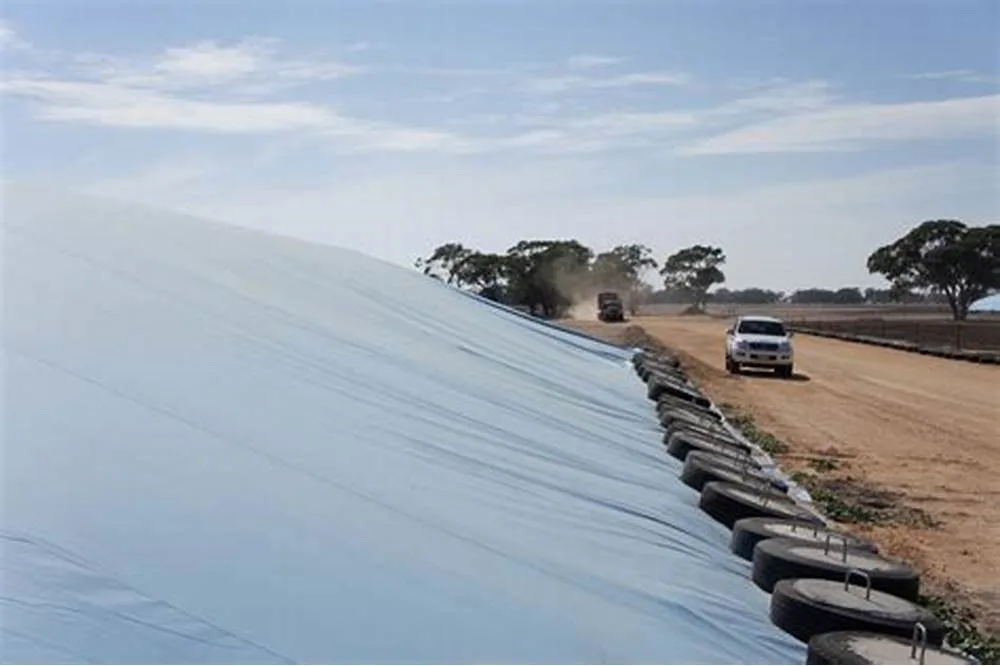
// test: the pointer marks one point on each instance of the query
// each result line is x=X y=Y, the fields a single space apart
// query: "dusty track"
x=928 y=428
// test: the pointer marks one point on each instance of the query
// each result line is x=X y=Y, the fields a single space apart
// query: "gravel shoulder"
x=927 y=430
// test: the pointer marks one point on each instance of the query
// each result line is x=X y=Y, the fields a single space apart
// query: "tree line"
x=941 y=261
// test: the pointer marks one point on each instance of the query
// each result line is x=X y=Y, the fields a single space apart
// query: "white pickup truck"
x=759 y=342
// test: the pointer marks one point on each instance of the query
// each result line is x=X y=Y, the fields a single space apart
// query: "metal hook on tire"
x=843 y=539
x=918 y=630
x=865 y=576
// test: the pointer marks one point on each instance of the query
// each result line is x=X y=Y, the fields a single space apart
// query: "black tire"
x=699 y=470
x=806 y=607
x=658 y=384
x=749 y=531
x=673 y=381
x=661 y=385
x=669 y=412
x=732 y=367
x=724 y=460
x=705 y=431
x=778 y=559
x=864 y=647
x=679 y=445
x=728 y=502
x=785 y=371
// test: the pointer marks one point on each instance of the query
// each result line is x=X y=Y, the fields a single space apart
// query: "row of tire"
x=903 y=345
x=832 y=591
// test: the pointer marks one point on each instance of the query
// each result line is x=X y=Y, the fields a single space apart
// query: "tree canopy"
x=693 y=271
x=937 y=261
x=960 y=262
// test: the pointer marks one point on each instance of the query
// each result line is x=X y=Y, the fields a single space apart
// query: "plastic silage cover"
x=225 y=446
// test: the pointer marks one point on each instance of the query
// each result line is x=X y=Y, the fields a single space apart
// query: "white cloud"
x=251 y=64
x=555 y=135
x=584 y=61
x=120 y=106
x=9 y=39
x=963 y=75
x=856 y=126
x=782 y=97
x=114 y=105
x=362 y=45
x=560 y=84
x=210 y=63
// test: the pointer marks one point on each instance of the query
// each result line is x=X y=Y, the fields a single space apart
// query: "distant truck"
x=610 y=306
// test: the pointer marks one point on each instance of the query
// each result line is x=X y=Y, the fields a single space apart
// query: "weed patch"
x=823 y=465
x=748 y=426
x=851 y=500
x=961 y=631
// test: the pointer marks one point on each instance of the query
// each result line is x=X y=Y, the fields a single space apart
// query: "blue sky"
x=796 y=135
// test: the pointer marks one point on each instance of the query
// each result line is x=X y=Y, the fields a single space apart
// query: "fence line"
x=967 y=335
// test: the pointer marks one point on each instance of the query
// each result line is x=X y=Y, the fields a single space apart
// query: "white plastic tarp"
x=222 y=446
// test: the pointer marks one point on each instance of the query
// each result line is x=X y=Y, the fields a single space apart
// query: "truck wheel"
x=732 y=366
x=785 y=371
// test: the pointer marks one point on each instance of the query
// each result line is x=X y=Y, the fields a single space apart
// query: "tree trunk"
x=955 y=305
x=962 y=312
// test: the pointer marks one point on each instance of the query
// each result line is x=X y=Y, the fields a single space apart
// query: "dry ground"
x=923 y=427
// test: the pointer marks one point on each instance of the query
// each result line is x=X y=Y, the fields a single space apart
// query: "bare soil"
x=920 y=436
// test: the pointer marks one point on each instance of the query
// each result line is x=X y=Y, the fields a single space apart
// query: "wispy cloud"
x=852 y=127
x=782 y=97
x=112 y=105
x=584 y=61
x=589 y=134
x=208 y=87
x=962 y=75
x=9 y=39
x=253 y=62
x=561 y=84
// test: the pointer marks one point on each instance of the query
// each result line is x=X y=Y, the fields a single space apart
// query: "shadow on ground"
x=768 y=374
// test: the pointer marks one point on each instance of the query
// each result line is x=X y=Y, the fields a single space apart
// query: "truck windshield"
x=762 y=327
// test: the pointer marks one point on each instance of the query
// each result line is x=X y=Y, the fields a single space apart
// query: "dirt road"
x=925 y=427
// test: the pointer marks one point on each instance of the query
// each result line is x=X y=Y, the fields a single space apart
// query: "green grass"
x=833 y=505
x=824 y=464
x=748 y=426
x=961 y=631
x=851 y=501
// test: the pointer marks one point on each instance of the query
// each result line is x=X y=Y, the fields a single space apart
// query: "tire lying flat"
x=749 y=531
x=680 y=445
x=703 y=467
x=805 y=607
x=695 y=439
x=727 y=503
x=719 y=459
x=856 y=647
x=777 y=559
x=659 y=385
x=680 y=408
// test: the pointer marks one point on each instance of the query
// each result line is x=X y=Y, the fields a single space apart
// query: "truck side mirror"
x=729 y=331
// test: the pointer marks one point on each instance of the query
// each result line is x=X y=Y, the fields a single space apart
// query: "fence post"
x=958 y=334
x=916 y=334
